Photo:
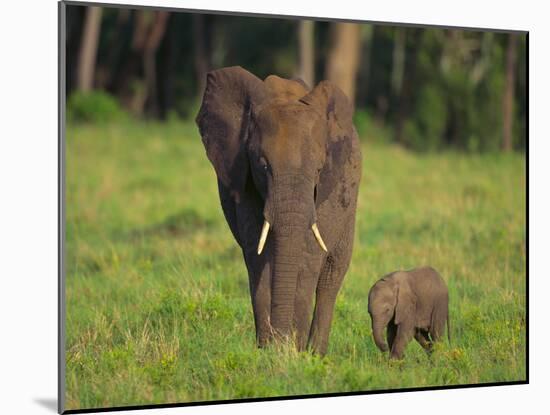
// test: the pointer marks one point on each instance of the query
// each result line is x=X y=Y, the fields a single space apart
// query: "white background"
x=28 y=204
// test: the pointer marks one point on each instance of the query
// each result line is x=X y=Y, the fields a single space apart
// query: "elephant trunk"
x=378 y=333
x=286 y=268
x=293 y=216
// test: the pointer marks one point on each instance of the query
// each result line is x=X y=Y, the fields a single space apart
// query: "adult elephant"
x=288 y=164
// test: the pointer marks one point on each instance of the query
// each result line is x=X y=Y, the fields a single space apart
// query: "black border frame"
x=61 y=211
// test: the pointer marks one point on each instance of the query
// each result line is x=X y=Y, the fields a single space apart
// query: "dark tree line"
x=433 y=88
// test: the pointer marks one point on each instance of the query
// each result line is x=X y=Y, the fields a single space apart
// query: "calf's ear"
x=405 y=307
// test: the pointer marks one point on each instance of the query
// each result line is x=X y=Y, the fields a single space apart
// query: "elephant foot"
x=395 y=355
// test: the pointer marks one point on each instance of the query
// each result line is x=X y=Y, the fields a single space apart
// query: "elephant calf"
x=409 y=303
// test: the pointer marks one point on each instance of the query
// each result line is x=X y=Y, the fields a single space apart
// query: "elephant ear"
x=229 y=99
x=405 y=307
x=332 y=103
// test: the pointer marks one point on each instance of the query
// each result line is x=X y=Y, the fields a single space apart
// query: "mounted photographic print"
x=257 y=207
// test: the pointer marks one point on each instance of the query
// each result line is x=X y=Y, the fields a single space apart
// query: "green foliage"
x=454 y=95
x=434 y=88
x=157 y=297
x=263 y=46
x=94 y=106
x=426 y=130
x=369 y=129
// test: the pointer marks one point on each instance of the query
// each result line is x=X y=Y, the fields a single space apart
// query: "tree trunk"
x=362 y=91
x=398 y=64
x=88 y=49
x=166 y=71
x=202 y=64
x=156 y=34
x=407 y=82
x=508 y=104
x=343 y=57
x=140 y=74
x=307 y=58
x=116 y=54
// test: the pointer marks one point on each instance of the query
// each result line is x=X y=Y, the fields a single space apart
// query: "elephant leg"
x=439 y=319
x=303 y=309
x=328 y=286
x=259 y=276
x=423 y=337
x=322 y=320
x=391 y=331
x=405 y=333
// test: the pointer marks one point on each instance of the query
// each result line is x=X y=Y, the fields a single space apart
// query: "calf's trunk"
x=378 y=333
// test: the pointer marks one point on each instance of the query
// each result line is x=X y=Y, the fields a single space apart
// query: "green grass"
x=158 y=308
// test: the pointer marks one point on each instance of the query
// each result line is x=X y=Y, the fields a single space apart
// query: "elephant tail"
x=448 y=329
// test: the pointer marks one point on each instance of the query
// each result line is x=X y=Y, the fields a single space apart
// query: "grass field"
x=158 y=308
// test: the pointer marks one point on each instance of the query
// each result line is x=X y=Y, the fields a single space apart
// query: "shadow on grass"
x=182 y=223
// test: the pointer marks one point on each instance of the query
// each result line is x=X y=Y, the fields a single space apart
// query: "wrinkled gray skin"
x=409 y=304
x=289 y=156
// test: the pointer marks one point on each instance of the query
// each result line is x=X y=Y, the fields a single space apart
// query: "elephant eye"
x=264 y=164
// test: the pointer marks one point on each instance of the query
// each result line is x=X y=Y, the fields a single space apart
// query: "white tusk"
x=263 y=237
x=315 y=230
